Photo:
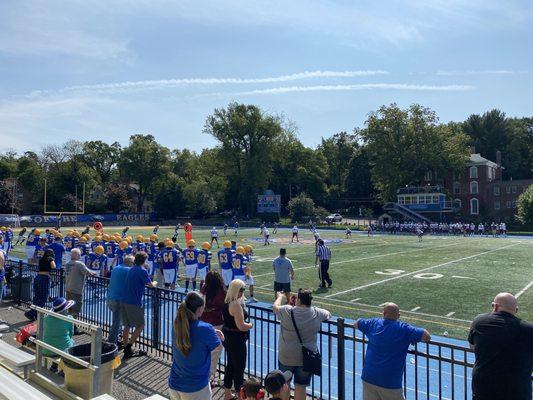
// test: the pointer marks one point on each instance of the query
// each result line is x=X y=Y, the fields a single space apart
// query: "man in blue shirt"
x=225 y=259
x=388 y=342
x=131 y=305
x=115 y=293
x=58 y=249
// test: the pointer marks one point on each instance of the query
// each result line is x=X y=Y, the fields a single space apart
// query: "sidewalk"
x=136 y=379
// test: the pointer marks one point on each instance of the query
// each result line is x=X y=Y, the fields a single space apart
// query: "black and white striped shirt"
x=323 y=252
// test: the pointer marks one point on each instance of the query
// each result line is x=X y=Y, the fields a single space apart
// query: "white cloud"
x=37 y=28
x=479 y=72
x=118 y=87
x=364 y=86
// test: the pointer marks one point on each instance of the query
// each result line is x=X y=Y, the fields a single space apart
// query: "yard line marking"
x=366 y=258
x=419 y=271
x=354 y=300
x=378 y=310
x=462 y=277
x=520 y=293
x=450 y=314
x=383 y=304
x=416 y=308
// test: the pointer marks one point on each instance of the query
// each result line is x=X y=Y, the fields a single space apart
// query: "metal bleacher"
x=396 y=208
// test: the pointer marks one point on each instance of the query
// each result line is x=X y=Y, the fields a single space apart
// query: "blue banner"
x=90 y=218
x=269 y=203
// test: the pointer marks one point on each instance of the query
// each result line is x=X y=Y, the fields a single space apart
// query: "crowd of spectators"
x=216 y=318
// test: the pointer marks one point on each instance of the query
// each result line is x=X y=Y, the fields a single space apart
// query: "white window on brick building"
x=474 y=206
x=473 y=187
x=473 y=172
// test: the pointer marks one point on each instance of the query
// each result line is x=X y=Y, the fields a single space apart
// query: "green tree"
x=403 y=145
x=102 y=157
x=143 y=162
x=246 y=135
x=169 y=201
x=301 y=206
x=488 y=132
x=525 y=206
x=517 y=157
x=118 y=198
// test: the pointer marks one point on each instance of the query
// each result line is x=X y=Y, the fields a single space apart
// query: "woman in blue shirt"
x=194 y=340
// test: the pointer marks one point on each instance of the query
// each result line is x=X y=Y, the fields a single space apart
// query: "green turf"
x=470 y=272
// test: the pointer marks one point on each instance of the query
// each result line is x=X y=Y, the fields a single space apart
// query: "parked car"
x=334 y=217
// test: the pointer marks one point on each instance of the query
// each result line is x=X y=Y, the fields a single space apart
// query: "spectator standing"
x=503 y=345
x=193 y=343
x=388 y=342
x=308 y=320
x=2 y=270
x=59 y=250
x=131 y=305
x=215 y=295
x=115 y=295
x=323 y=255
x=283 y=274
x=56 y=332
x=277 y=385
x=41 y=283
x=236 y=333
x=76 y=272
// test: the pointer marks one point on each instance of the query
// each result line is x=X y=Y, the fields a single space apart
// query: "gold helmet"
x=240 y=250
x=206 y=245
x=123 y=245
x=227 y=244
x=99 y=250
x=139 y=238
x=169 y=243
x=153 y=237
x=248 y=249
x=191 y=243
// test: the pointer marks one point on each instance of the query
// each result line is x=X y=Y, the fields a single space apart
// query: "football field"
x=440 y=283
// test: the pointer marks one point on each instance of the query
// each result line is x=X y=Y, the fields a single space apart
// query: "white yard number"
x=390 y=271
x=428 y=275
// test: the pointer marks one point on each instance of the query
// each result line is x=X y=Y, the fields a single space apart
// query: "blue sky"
x=106 y=69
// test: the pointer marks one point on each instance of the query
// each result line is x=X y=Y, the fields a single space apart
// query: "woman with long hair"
x=215 y=294
x=236 y=333
x=194 y=340
x=41 y=283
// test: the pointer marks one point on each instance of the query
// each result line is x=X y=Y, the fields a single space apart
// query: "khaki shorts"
x=78 y=298
x=373 y=392
x=203 y=394
x=132 y=315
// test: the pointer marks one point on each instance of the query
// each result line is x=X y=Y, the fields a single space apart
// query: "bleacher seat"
x=104 y=396
x=16 y=358
x=156 y=397
x=12 y=387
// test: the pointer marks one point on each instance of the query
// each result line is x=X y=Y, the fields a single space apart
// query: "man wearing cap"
x=57 y=332
x=277 y=384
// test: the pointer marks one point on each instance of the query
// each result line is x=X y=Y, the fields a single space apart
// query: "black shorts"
x=282 y=287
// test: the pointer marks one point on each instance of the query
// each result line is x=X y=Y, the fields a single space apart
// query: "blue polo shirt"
x=117 y=283
x=388 y=342
x=191 y=373
x=58 y=249
x=136 y=280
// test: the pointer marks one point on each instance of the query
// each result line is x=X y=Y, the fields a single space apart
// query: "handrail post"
x=19 y=302
x=156 y=317
x=39 y=350
x=340 y=359
x=96 y=360
x=61 y=282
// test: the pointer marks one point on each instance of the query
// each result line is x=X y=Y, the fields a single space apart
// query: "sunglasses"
x=242 y=290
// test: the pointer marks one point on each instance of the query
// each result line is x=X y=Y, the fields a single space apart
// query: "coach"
x=323 y=254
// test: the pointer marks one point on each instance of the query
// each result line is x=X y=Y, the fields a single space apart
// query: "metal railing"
x=95 y=333
x=436 y=370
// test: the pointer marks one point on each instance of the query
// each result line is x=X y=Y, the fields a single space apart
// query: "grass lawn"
x=441 y=283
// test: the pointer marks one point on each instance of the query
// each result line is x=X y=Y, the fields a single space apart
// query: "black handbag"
x=312 y=360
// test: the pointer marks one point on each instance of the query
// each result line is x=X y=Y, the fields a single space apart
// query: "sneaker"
x=134 y=353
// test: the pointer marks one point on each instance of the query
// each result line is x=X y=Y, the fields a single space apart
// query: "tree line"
x=255 y=151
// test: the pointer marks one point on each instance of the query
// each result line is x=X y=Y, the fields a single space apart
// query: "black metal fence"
x=436 y=370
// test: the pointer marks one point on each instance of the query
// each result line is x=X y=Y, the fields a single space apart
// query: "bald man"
x=388 y=342
x=504 y=352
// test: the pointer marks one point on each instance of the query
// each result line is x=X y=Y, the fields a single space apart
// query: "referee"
x=323 y=254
